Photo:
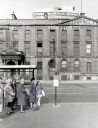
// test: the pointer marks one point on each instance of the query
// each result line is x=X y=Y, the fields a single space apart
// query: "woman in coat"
x=32 y=93
x=21 y=95
x=39 y=92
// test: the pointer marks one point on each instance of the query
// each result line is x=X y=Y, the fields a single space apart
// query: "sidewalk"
x=67 y=115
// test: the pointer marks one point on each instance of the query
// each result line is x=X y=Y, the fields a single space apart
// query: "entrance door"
x=12 y=72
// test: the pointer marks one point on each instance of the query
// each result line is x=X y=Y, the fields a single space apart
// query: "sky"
x=24 y=8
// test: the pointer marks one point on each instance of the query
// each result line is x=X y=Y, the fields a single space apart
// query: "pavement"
x=63 y=115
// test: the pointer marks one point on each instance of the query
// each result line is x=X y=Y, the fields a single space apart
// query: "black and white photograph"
x=48 y=64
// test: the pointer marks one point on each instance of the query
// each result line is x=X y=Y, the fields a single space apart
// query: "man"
x=32 y=93
x=1 y=97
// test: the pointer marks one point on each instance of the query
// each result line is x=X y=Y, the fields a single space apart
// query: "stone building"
x=66 y=46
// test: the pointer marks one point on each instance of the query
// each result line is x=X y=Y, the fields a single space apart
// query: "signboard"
x=56 y=81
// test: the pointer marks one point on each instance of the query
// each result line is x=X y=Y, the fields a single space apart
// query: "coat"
x=32 y=93
x=8 y=91
x=21 y=93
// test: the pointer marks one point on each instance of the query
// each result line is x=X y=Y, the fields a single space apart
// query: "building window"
x=27 y=48
x=15 y=45
x=39 y=34
x=88 y=34
x=1 y=47
x=64 y=48
x=64 y=65
x=89 y=67
x=39 y=67
x=64 y=35
x=52 y=49
x=52 y=34
x=27 y=35
x=76 y=48
x=39 y=50
x=76 y=65
x=15 y=34
x=76 y=35
x=88 y=48
x=1 y=35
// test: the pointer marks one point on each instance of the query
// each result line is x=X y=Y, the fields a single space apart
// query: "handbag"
x=43 y=93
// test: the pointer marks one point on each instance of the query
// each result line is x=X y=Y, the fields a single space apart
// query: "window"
x=64 y=35
x=76 y=35
x=52 y=54
x=15 y=45
x=88 y=48
x=89 y=66
x=39 y=66
x=88 y=34
x=1 y=47
x=15 y=34
x=27 y=48
x=39 y=49
x=27 y=34
x=76 y=48
x=76 y=65
x=1 y=35
x=52 y=34
x=39 y=34
x=64 y=65
x=64 y=48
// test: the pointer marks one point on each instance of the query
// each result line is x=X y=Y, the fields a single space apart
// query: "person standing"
x=9 y=96
x=21 y=95
x=32 y=93
x=1 y=98
x=39 y=92
x=15 y=99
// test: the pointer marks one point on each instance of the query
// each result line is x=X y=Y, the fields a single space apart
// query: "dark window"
x=64 y=48
x=89 y=66
x=39 y=49
x=39 y=34
x=76 y=48
x=39 y=66
x=27 y=48
x=52 y=34
x=64 y=65
x=76 y=65
x=88 y=34
x=76 y=35
x=64 y=35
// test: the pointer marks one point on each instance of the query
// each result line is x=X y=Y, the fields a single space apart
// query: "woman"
x=21 y=96
x=39 y=92
x=32 y=93
x=9 y=96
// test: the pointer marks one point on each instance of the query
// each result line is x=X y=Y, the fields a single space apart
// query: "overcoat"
x=21 y=93
x=32 y=93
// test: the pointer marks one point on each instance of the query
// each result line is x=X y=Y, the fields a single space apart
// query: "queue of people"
x=16 y=95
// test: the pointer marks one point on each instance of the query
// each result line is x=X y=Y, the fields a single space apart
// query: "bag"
x=35 y=107
x=43 y=93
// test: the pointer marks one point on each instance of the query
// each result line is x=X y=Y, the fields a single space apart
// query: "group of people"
x=17 y=95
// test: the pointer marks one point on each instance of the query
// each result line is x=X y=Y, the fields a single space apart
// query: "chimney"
x=14 y=16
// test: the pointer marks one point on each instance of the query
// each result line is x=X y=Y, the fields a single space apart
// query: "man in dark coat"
x=32 y=93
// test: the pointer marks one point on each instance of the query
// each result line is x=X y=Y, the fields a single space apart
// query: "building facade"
x=68 y=47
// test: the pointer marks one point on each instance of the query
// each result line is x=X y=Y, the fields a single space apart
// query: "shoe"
x=22 y=111
x=8 y=113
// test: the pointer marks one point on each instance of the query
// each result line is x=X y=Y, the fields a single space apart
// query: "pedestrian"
x=15 y=99
x=32 y=93
x=39 y=93
x=21 y=95
x=1 y=98
x=9 y=96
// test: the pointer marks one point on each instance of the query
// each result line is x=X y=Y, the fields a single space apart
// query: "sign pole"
x=55 y=96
